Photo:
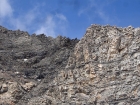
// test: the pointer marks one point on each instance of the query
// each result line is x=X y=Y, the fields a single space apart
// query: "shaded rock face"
x=29 y=60
x=101 y=69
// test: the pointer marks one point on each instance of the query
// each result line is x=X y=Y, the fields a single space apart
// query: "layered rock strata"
x=103 y=68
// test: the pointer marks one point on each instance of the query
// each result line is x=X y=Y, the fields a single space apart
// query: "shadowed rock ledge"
x=103 y=68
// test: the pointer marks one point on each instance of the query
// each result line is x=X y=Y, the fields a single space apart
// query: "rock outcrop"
x=103 y=68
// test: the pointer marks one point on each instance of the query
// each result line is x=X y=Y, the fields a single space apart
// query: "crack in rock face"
x=102 y=68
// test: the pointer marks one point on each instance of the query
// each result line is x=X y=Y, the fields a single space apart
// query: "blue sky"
x=68 y=18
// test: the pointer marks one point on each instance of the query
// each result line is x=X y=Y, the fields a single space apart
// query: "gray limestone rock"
x=101 y=69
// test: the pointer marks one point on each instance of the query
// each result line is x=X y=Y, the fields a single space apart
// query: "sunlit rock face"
x=103 y=68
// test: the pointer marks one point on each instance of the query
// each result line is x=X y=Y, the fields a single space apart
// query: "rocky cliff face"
x=103 y=68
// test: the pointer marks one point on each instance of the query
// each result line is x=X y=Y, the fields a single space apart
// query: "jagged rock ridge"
x=101 y=69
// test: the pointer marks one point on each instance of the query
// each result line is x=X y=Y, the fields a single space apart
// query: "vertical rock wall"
x=104 y=69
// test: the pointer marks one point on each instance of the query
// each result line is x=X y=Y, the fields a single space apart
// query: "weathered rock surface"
x=103 y=68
